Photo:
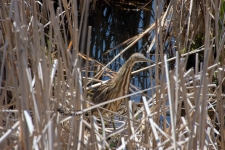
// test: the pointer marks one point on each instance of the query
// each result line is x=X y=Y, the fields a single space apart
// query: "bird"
x=117 y=86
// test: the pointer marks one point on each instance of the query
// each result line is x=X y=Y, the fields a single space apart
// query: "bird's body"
x=118 y=86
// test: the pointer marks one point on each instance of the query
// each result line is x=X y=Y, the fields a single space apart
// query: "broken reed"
x=39 y=75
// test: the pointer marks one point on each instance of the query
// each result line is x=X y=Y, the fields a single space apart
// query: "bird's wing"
x=101 y=94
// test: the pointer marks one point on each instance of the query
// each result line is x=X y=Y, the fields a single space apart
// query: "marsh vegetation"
x=48 y=64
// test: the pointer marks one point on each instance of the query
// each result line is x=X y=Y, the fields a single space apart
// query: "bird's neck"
x=124 y=74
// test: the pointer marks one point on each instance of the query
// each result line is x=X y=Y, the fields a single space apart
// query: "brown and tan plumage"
x=118 y=86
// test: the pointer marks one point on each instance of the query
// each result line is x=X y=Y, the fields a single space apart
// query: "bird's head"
x=138 y=57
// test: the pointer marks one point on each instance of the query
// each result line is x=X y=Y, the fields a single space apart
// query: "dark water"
x=111 y=26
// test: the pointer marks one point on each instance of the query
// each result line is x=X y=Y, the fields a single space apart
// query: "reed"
x=40 y=73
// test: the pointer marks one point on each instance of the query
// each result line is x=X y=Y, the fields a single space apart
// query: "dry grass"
x=39 y=74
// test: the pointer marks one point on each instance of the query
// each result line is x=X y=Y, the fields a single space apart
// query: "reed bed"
x=40 y=73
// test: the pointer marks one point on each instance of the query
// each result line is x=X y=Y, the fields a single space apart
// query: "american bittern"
x=118 y=86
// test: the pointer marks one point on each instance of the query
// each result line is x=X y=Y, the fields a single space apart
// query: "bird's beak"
x=147 y=60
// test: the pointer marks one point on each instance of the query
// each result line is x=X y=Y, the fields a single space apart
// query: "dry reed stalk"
x=185 y=110
x=172 y=116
